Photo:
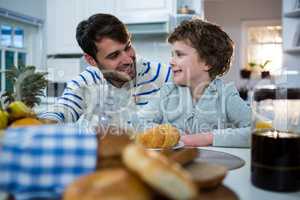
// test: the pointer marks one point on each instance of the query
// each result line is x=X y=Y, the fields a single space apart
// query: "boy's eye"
x=178 y=54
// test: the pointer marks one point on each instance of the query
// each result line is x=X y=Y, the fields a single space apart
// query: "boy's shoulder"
x=227 y=88
x=169 y=88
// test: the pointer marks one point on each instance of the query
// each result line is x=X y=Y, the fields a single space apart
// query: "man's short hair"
x=97 y=27
x=213 y=45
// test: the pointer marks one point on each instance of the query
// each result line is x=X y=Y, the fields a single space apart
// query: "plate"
x=179 y=145
x=217 y=157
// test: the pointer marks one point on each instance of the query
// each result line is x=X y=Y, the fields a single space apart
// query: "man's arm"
x=79 y=93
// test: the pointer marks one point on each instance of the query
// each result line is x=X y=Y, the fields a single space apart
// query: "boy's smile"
x=188 y=69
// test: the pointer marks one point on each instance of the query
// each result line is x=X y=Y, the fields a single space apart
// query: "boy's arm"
x=239 y=114
x=148 y=115
x=151 y=114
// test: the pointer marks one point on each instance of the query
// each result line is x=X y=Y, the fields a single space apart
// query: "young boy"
x=207 y=111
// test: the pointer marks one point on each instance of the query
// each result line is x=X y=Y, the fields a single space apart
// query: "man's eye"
x=113 y=56
x=128 y=47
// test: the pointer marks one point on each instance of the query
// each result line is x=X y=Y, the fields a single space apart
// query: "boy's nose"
x=172 y=62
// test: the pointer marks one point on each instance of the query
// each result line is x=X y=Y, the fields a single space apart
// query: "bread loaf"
x=159 y=172
x=161 y=136
x=108 y=184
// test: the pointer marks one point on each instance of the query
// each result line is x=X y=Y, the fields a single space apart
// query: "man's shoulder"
x=153 y=72
x=89 y=77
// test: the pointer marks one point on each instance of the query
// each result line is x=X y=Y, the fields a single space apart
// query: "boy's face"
x=116 y=60
x=188 y=69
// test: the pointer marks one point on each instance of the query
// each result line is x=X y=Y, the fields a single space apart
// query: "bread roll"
x=110 y=150
x=207 y=175
x=160 y=173
x=151 y=138
x=182 y=156
x=107 y=184
x=112 y=145
x=161 y=136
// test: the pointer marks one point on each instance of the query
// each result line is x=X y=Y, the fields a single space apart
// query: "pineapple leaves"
x=28 y=85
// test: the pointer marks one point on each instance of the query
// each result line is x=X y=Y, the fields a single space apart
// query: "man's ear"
x=90 y=60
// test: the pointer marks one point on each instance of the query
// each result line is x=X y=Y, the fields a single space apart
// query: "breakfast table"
x=239 y=180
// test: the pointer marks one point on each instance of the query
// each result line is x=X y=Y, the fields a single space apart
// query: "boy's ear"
x=207 y=67
x=89 y=59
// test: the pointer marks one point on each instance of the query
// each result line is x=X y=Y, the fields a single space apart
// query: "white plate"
x=179 y=145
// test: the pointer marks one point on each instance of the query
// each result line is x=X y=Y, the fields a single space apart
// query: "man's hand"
x=198 y=139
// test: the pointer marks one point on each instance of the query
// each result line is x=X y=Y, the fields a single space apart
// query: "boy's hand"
x=198 y=139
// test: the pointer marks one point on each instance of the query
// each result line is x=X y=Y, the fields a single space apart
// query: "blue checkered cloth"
x=38 y=162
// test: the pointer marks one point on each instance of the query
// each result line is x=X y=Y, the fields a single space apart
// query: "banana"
x=17 y=110
x=3 y=119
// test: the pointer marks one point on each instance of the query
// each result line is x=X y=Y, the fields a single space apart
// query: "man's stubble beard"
x=118 y=78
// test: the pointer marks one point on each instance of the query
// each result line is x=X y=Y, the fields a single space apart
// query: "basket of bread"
x=126 y=170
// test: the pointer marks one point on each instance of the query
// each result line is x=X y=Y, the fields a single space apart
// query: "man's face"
x=116 y=60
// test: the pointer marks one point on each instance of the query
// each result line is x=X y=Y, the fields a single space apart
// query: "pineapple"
x=28 y=85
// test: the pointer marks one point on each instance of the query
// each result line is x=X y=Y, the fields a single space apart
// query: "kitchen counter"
x=239 y=180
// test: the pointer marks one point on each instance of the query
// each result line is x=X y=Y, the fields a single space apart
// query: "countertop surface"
x=239 y=180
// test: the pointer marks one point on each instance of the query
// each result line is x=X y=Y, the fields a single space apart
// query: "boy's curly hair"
x=213 y=45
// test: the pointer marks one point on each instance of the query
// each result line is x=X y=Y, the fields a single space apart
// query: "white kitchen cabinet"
x=62 y=19
x=98 y=6
x=156 y=16
x=291 y=34
x=137 y=11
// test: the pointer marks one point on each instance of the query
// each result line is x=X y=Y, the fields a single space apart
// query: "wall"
x=231 y=13
x=33 y=8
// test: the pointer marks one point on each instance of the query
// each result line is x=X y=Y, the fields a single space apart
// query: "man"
x=107 y=48
x=39 y=162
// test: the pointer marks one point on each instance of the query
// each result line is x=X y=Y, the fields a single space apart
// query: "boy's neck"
x=198 y=88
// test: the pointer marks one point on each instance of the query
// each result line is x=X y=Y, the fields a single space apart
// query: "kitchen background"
x=42 y=33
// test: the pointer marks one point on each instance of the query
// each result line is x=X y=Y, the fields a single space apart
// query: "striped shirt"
x=80 y=93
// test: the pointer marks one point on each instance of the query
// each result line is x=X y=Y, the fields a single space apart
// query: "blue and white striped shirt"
x=74 y=102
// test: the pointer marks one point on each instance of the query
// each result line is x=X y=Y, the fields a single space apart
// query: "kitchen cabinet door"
x=135 y=11
x=99 y=6
x=62 y=19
